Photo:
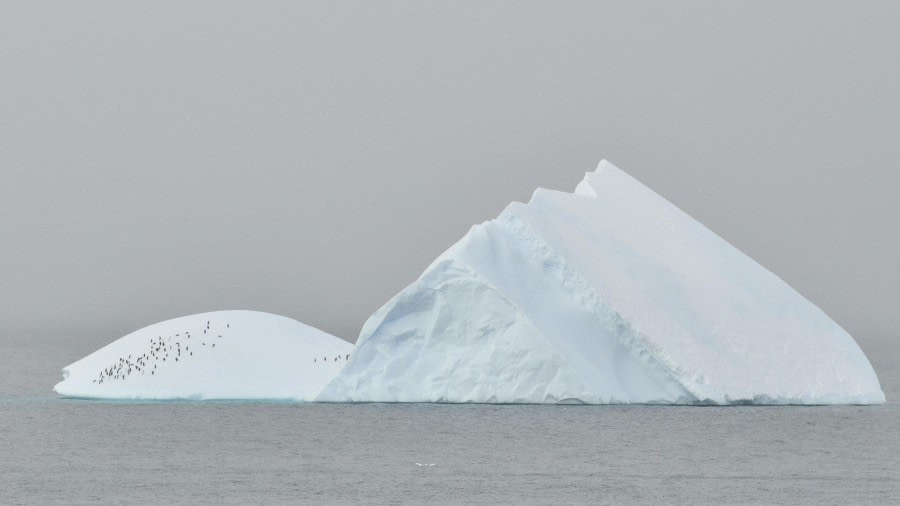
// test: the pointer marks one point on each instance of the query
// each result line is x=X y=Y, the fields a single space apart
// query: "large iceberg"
x=217 y=355
x=608 y=295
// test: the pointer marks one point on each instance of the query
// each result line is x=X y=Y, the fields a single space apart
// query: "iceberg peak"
x=617 y=298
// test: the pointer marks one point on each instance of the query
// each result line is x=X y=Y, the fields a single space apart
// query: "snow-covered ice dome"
x=610 y=294
x=217 y=355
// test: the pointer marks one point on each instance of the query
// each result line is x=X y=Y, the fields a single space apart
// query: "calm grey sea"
x=56 y=450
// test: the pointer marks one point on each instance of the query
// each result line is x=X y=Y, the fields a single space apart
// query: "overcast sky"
x=159 y=159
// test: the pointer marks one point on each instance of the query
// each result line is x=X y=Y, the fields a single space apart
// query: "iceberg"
x=606 y=295
x=242 y=355
x=610 y=294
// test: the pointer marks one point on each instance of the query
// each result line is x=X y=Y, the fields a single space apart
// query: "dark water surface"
x=56 y=450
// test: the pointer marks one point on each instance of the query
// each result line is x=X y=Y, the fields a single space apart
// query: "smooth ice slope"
x=218 y=355
x=607 y=295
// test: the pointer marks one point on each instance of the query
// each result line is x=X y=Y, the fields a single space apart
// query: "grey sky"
x=161 y=159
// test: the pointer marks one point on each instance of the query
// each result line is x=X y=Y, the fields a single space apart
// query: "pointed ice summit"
x=608 y=295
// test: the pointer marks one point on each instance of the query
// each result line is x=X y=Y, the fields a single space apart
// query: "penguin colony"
x=176 y=348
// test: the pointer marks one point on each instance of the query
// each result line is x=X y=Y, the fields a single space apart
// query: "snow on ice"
x=217 y=355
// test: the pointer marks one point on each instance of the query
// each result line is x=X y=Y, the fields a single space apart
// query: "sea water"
x=55 y=450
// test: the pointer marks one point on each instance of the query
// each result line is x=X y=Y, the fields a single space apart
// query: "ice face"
x=611 y=294
x=217 y=355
